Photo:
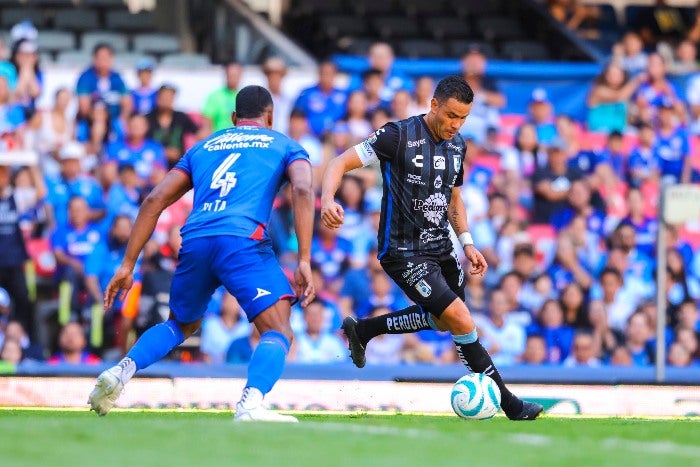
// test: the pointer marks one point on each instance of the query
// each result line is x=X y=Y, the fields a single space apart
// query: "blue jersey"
x=78 y=244
x=143 y=158
x=616 y=162
x=322 y=109
x=109 y=89
x=672 y=150
x=644 y=160
x=61 y=191
x=144 y=100
x=236 y=173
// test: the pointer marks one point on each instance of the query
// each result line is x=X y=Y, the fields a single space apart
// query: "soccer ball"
x=476 y=397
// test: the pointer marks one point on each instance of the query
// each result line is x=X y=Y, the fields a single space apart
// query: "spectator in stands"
x=379 y=118
x=488 y=100
x=683 y=60
x=241 y=349
x=275 y=70
x=105 y=259
x=541 y=114
x=168 y=126
x=535 y=351
x=568 y=132
x=380 y=293
x=372 y=87
x=381 y=57
x=678 y=355
x=583 y=352
x=49 y=130
x=73 y=182
x=30 y=79
x=557 y=335
x=144 y=96
x=356 y=229
x=526 y=155
x=12 y=120
x=511 y=284
x=359 y=126
x=300 y=132
x=503 y=338
x=401 y=105
x=219 y=331
x=10 y=353
x=567 y=267
x=124 y=196
x=101 y=82
x=643 y=162
x=687 y=316
x=606 y=340
x=145 y=155
x=72 y=347
x=315 y=345
x=72 y=244
x=5 y=305
x=13 y=254
x=677 y=290
x=323 y=104
x=221 y=103
x=579 y=203
x=30 y=350
x=609 y=98
x=613 y=156
x=551 y=184
x=637 y=335
x=646 y=227
x=654 y=93
x=661 y=23
x=425 y=86
x=620 y=356
x=672 y=146
x=357 y=283
x=617 y=301
x=332 y=253
x=392 y=349
x=576 y=16
x=629 y=53
x=7 y=70
x=99 y=129
x=688 y=338
x=573 y=303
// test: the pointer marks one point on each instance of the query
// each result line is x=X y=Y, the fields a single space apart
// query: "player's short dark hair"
x=252 y=102
x=102 y=45
x=456 y=87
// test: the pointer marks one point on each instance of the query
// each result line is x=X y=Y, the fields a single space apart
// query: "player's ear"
x=434 y=104
x=269 y=118
x=233 y=118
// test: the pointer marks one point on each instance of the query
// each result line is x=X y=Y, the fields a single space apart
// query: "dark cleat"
x=357 y=350
x=530 y=411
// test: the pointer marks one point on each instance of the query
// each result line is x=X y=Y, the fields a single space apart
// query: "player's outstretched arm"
x=175 y=184
x=300 y=178
x=331 y=212
x=457 y=215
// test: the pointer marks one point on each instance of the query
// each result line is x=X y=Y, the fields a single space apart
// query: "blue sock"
x=267 y=362
x=155 y=344
x=466 y=338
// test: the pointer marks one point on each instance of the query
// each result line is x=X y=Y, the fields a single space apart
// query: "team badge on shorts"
x=424 y=288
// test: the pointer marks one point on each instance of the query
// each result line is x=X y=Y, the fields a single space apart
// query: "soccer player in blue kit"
x=235 y=173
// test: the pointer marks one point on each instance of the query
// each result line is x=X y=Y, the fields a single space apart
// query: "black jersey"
x=419 y=175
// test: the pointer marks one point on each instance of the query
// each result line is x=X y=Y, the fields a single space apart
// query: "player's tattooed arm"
x=331 y=212
x=457 y=216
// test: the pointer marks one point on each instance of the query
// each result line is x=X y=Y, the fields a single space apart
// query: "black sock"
x=477 y=359
x=408 y=320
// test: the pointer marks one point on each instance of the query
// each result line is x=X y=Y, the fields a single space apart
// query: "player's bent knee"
x=187 y=328
x=457 y=319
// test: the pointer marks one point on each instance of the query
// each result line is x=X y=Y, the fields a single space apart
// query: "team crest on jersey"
x=424 y=288
x=458 y=162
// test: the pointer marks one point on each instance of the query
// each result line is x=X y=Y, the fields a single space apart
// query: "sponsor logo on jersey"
x=433 y=208
x=439 y=163
x=414 y=273
x=424 y=288
x=415 y=179
x=454 y=146
x=415 y=144
x=228 y=141
x=438 y=182
x=418 y=160
x=432 y=235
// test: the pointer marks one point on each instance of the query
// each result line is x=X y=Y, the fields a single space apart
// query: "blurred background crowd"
x=563 y=210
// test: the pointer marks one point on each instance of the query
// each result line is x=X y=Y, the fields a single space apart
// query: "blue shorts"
x=247 y=268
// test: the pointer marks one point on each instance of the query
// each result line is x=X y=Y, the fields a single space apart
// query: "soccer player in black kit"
x=422 y=161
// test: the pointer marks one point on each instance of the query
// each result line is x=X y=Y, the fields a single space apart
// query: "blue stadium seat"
x=155 y=43
x=76 y=19
x=185 y=60
x=75 y=58
x=117 y=40
x=124 y=60
x=55 y=41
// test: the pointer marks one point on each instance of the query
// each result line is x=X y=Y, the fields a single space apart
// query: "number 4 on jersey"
x=222 y=179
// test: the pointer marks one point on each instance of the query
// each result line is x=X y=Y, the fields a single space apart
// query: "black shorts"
x=432 y=282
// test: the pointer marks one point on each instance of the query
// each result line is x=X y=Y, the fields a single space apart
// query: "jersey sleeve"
x=185 y=163
x=383 y=144
x=83 y=87
x=460 y=172
x=295 y=153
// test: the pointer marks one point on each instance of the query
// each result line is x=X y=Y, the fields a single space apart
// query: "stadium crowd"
x=564 y=211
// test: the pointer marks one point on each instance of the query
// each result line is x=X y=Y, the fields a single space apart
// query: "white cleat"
x=107 y=390
x=261 y=414
x=251 y=409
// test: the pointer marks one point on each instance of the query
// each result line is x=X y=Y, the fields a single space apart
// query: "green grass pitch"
x=206 y=438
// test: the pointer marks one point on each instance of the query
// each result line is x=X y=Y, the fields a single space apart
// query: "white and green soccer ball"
x=476 y=397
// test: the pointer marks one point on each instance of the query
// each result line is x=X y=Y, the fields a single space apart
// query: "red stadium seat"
x=511 y=122
x=591 y=140
x=691 y=234
x=39 y=251
x=544 y=239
